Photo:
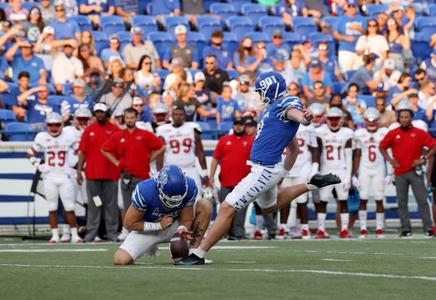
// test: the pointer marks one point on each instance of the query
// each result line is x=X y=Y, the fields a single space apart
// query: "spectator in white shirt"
x=66 y=67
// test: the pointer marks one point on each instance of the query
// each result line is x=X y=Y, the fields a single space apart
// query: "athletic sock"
x=344 y=221
x=259 y=222
x=362 y=219
x=65 y=229
x=304 y=226
x=379 y=220
x=74 y=234
x=199 y=252
x=284 y=226
x=55 y=233
x=321 y=221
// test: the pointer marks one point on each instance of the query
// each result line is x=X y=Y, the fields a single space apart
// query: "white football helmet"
x=318 y=111
x=54 y=123
x=160 y=113
x=335 y=118
x=372 y=119
x=82 y=116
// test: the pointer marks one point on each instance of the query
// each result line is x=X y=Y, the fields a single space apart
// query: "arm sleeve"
x=37 y=144
x=386 y=142
x=218 y=150
x=287 y=104
x=428 y=140
x=154 y=143
x=111 y=144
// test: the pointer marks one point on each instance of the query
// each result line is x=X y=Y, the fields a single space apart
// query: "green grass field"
x=329 y=269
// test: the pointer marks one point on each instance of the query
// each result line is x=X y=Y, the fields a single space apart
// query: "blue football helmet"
x=172 y=185
x=271 y=86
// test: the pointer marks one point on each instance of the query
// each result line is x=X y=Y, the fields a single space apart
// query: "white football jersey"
x=56 y=150
x=368 y=142
x=144 y=126
x=333 y=147
x=76 y=134
x=179 y=144
x=305 y=137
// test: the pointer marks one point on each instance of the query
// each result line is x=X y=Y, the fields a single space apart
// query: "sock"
x=321 y=221
x=304 y=226
x=293 y=217
x=124 y=230
x=55 y=233
x=259 y=222
x=284 y=226
x=362 y=219
x=199 y=252
x=65 y=229
x=74 y=233
x=344 y=221
x=379 y=220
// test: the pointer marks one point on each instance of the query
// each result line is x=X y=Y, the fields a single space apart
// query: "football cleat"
x=190 y=260
x=318 y=181
x=305 y=234
x=257 y=235
x=321 y=234
x=406 y=234
x=344 y=234
x=428 y=234
x=363 y=234
x=282 y=234
x=379 y=233
x=65 y=238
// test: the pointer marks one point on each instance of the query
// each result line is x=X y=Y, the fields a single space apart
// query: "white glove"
x=43 y=168
x=346 y=183
x=388 y=179
x=355 y=181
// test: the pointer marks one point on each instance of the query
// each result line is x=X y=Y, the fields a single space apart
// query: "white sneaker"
x=65 y=238
x=76 y=240
x=97 y=239
x=54 y=240
x=123 y=235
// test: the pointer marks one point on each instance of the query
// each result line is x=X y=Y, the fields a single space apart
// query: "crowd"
x=64 y=56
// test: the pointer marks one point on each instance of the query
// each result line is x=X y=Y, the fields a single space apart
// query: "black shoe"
x=428 y=234
x=406 y=234
x=318 y=181
x=190 y=260
x=271 y=237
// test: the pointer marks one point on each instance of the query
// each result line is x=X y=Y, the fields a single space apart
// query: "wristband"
x=151 y=226
x=203 y=173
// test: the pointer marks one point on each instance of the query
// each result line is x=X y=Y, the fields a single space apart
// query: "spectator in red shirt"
x=101 y=175
x=407 y=143
x=132 y=150
x=233 y=151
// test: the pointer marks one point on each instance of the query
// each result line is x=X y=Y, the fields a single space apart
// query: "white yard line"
x=211 y=269
x=50 y=250
x=334 y=259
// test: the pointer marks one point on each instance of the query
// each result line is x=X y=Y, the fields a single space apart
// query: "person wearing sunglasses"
x=398 y=43
x=329 y=61
x=372 y=42
x=117 y=100
x=429 y=65
x=64 y=29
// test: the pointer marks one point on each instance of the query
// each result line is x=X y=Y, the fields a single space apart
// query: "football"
x=179 y=247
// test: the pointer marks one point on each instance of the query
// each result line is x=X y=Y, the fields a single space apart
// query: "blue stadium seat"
x=125 y=38
x=161 y=40
x=253 y=11
x=237 y=4
x=233 y=74
x=269 y=24
x=7 y=115
x=369 y=100
x=338 y=87
x=331 y=21
x=432 y=10
x=82 y=21
x=206 y=132
x=225 y=126
x=299 y=20
x=163 y=73
x=208 y=24
x=17 y=131
x=223 y=10
x=291 y=38
x=424 y=21
x=258 y=36
x=420 y=47
x=146 y=23
x=171 y=22
x=198 y=39
x=240 y=25
x=112 y=24
x=100 y=41
x=305 y=29
x=230 y=41
x=374 y=9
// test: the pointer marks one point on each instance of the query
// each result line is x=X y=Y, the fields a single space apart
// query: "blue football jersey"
x=275 y=131
x=145 y=198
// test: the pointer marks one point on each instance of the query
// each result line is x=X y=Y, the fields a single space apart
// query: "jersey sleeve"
x=154 y=143
x=358 y=142
x=111 y=144
x=138 y=201
x=428 y=140
x=38 y=145
x=386 y=142
x=286 y=104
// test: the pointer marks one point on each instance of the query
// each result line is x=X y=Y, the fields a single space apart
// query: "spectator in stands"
x=91 y=63
x=427 y=92
x=387 y=117
x=402 y=85
x=112 y=51
x=363 y=77
x=46 y=46
x=316 y=73
x=14 y=7
x=34 y=25
x=161 y=8
x=398 y=43
x=116 y=68
x=430 y=112
x=11 y=102
x=247 y=58
x=227 y=108
x=134 y=51
x=420 y=76
x=407 y=143
x=117 y=100
x=277 y=45
x=93 y=87
x=26 y=61
x=47 y=11
x=372 y=42
x=94 y=10
x=76 y=100
x=178 y=75
x=215 y=76
x=265 y=64
x=298 y=63
x=329 y=62
x=223 y=56
x=348 y=29
x=36 y=111
x=127 y=9
x=101 y=175
x=319 y=94
x=292 y=8
x=418 y=113
x=193 y=108
x=402 y=96
x=232 y=152
x=64 y=29
x=87 y=39
x=66 y=67
x=246 y=97
x=202 y=94
x=410 y=15
x=354 y=104
x=429 y=65
x=294 y=89
x=145 y=79
x=187 y=53
x=390 y=76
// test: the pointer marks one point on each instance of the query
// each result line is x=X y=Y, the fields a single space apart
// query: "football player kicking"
x=276 y=130
x=56 y=145
x=335 y=142
x=370 y=164
x=162 y=207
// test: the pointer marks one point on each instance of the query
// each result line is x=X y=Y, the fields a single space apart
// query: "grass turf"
x=371 y=269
